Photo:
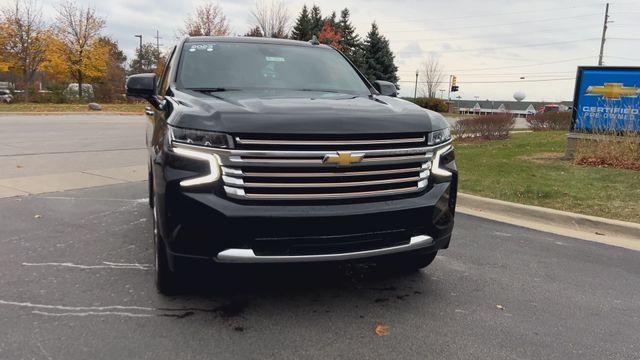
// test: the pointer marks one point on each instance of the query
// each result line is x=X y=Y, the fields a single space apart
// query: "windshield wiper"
x=212 y=90
x=321 y=90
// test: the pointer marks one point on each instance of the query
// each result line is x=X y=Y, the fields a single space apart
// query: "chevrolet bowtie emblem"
x=613 y=91
x=343 y=158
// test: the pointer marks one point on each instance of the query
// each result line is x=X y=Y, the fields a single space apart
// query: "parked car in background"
x=71 y=92
x=5 y=96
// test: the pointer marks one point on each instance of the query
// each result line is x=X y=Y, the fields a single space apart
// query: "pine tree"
x=332 y=20
x=350 y=43
x=302 y=29
x=378 y=57
x=316 y=20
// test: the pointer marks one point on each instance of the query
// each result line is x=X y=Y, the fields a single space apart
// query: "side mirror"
x=142 y=86
x=385 y=88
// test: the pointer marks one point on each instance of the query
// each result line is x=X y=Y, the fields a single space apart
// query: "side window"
x=166 y=74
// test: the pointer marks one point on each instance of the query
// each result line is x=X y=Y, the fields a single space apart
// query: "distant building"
x=521 y=109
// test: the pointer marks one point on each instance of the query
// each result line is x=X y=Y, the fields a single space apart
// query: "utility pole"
x=140 y=51
x=158 y=43
x=415 y=89
x=449 y=94
x=604 y=33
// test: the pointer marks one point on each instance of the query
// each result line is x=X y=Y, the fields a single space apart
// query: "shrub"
x=488 y=127
x=431 y=103
x=609 y=150
x=550 y=121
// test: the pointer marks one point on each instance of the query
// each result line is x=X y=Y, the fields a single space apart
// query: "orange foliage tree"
x=330 y=36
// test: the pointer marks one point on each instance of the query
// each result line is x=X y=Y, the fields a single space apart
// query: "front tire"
x=167 y=280
x=150 y=187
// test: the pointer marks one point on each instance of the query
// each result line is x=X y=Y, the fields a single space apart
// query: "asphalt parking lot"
x=77 y=283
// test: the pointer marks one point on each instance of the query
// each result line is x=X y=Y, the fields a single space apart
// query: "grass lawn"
x=36 y=108
x=526 y=169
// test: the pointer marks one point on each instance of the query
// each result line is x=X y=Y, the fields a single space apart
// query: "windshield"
x=238 y=66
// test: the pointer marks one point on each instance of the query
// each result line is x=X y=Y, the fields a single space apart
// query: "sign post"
x=606 y=102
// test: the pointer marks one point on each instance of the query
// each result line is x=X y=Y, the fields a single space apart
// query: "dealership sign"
x=607 y=99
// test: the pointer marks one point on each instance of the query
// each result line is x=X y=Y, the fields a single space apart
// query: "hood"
x=300 y=112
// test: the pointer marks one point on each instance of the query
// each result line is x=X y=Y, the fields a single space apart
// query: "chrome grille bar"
x=245 y=141
x=240 y=173
x=329 y=185
x=242 y=194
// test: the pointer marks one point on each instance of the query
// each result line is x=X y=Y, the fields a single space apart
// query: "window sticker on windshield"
x=274 y=59
x=201 y=47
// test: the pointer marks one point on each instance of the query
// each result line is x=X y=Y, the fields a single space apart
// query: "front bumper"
x=206 y=226
x=203 y=223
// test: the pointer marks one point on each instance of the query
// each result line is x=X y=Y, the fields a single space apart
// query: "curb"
x=549 y=218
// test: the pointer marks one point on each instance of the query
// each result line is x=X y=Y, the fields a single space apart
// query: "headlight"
x=180 y=136
x=439 y=136
x=199 y=137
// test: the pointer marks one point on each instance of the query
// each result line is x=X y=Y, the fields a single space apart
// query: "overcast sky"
x=489 y=45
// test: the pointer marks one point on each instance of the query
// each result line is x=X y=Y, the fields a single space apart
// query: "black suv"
x=278 y=151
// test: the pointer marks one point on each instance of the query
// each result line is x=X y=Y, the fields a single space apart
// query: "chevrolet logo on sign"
x=613 y=91
x=343 y=158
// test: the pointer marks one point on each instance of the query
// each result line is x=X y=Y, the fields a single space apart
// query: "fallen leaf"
x=19 y=166
x=382 y=330
x=500 y=307
x=37 y=216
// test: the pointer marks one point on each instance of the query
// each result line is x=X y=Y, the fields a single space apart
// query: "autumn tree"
x=4 y=63
x=207 y=20
x=378 y=57
x=23 y=38
x=146 y=59
x=328 y=35
x=302 y=28
x=78 y=30
x=272 y=18
x=432 y=76
x=255 y=32
x=110 y=85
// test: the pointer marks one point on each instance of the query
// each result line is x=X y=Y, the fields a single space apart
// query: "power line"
x=496 y=81
x=514 y=46
x=546 y=10
x=527 y=65
x=501 y=74
x=495 y=36
x=496 y=24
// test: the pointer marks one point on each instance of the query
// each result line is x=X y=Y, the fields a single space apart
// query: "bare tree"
x=24 y=37
x=207 y=20
x=78 y=29
x=272 y=18
x=432 y=76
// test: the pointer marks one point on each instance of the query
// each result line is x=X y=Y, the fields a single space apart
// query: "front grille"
x=325 y=168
